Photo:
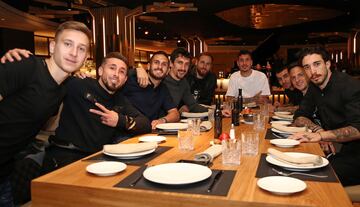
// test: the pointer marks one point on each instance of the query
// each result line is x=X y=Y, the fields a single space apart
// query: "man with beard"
x=202 y=81
x=254 y=84
x=336 y=96
x=178 y=86
x=94 y=113
x=154 y=101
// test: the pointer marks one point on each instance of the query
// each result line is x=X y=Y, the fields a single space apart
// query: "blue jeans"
x=6 y=198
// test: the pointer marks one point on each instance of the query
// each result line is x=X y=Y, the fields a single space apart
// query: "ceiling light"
x=146 y=32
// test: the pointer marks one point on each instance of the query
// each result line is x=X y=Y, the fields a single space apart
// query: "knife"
x=216 y=178
x=133 y=183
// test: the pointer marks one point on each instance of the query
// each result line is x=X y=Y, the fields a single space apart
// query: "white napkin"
x=289 y=129
x=209 y=154
x=194 y=115
x=129 y=148
x=284 y=116
x=205 y=125
x=308 y=161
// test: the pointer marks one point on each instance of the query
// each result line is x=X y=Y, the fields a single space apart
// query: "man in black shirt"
x=154 y=100
x=336 y=97
x=202 y=81
x=31 y=91
x=292 y=93
x=94 y=114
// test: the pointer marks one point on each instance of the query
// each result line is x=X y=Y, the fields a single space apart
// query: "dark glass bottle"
x=240 y=100
x=218 y=120
x=235 y=113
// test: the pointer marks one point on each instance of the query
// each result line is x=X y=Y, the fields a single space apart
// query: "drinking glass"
x=185 y=139
x=231 y=152
x=250 y=143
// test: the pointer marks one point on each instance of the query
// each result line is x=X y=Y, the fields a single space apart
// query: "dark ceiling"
x=225 y=22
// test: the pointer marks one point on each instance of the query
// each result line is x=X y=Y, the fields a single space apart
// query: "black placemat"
x=139 y=161
x=221 y=187
x=164 y=132
x=265 y=169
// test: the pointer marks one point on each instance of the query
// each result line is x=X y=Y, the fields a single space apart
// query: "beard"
x=110 y=86
x=202 y=72
x=156 y=77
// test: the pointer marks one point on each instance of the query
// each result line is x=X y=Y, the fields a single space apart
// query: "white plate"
x=106 y=168
x=152 y=139
x=285 y=143
x=282 y=112
x=281 y=185
x=250 y=105
x=194 y=115
x=274 y=161
x=281 y=136
x=184 y=120
x=280 y=132
x=281 y=118
x=281 y=122
x=177 y=173
x=130 y=155
x=172 y=126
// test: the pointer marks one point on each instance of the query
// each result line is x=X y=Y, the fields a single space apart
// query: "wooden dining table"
x=73 y=186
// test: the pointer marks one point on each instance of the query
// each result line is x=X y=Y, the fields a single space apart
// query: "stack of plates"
x=280 y=134
x=172 y=126
x=291 y=167
x=283 y=115
x=134 y=155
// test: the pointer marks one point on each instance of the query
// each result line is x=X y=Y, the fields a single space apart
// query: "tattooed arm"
x=344 y=134
x=303 y=121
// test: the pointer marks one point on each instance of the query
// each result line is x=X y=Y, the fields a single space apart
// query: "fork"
x=298 y=173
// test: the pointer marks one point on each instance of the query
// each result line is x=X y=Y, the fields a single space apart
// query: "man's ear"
x=52 y=47
x=100 y=70
x=328 y=64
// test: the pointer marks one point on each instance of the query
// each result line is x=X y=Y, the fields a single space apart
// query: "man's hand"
x=108 y=117
x=184 y=108
x=226 y=112
x=142 y=77
x=327 y=147
x=15 y=54
x=82 y=75
x=156 y=122
x=306 y=137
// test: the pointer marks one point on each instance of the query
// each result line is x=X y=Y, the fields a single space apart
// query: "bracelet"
x=164 y=119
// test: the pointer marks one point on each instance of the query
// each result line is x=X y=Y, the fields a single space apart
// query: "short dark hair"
x=293 y=65
x=179 y=52
x=280 y=69
x=116 y=55
x=160 y=52
x=206 y=54
x=74 y=25
x=245 y=52
x=320 y=50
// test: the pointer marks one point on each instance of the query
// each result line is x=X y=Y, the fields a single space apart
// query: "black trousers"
x=347 y=167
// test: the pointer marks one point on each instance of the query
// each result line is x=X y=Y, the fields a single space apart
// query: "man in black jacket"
x=336 y=98
x=202 y=81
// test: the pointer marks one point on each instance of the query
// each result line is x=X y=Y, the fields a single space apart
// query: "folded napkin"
x=129 y=148
x=308 y=161
x=194 y=115
x=288 y=129
x=282 y=113
x=209 y=154
x=205 y=125
x=284 y=116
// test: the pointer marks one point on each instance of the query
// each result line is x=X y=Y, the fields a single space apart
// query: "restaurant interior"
x=274 y=30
